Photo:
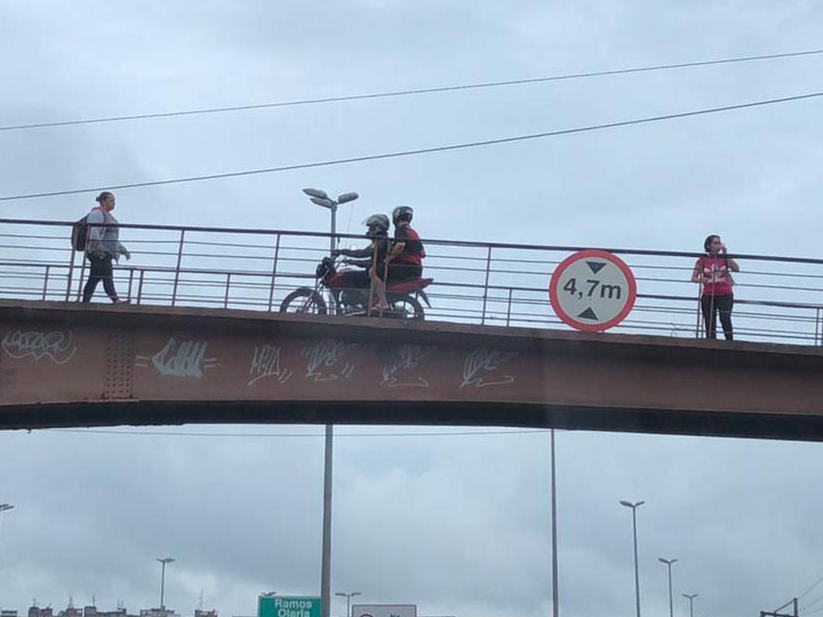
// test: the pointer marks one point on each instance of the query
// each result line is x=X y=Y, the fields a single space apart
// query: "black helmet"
x=378 y=224
x=402 y=213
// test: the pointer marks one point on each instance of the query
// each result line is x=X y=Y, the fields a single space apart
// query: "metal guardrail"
x=777 y=298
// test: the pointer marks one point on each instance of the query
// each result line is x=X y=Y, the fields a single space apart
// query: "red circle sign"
x=592 y=290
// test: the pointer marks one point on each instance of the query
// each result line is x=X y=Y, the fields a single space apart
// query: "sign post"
x=592 y=290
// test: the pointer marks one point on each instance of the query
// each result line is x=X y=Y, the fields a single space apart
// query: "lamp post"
x=691 y=598
x=634 y=507
x=163 y=561
x=3 y=508
x=669 y=563
x=320 y=198
x=348 y=595
x=555 y=586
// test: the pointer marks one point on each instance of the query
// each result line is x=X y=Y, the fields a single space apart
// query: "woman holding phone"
x=713 y=271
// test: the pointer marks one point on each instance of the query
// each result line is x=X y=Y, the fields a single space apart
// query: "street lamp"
x=348 y=595
x=634 y=507
x=691 y=598
x=163 y=561
x=321 y=198
x=669 y=563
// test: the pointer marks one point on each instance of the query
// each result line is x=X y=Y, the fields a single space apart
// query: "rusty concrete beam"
x=63 y=364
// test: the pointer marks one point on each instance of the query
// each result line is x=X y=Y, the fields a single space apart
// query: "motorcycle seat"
x=410 y=285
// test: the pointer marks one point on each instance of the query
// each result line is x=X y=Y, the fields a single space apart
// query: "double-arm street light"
x=634 y=507
x=321 y=198
x=163 y=561
x=669 y=563
x=348 y=595
x=691 y=598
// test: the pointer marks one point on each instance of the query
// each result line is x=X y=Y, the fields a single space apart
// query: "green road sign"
x=288 y=606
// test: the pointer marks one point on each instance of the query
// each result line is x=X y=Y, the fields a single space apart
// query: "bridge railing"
x=778 y=299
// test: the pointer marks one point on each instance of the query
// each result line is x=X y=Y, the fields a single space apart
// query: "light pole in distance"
x=691 y=598
x=669 y=563
x=321 y=198
x=3 y=508
x=163 y=561
x=634 y=507
x=348 y=595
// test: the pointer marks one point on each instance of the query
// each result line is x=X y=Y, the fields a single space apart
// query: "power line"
x=813 y=585
x=403 y=153
x=398 y=93
x=298 y=435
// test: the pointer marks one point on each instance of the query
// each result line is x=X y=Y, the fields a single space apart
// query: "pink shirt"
x=717 y=279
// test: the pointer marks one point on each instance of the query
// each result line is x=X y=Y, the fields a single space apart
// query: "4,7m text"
x=612 y=292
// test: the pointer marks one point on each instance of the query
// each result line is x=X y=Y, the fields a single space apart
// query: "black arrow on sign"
x=588 y=314
x=596 y=266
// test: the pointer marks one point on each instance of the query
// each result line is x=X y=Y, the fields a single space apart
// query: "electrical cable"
x=404 y=153
x=815 y=584
x=398 y=93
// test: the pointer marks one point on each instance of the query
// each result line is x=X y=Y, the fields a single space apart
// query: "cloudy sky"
x=458 y=524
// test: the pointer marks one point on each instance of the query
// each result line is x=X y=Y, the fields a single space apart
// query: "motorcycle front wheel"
x=304 y=300
x=406 y=307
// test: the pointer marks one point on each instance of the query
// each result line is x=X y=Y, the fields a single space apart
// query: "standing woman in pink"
x=713 y=271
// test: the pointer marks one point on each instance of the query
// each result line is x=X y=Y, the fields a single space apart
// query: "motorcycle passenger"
x=407 y=253
x=372 y=257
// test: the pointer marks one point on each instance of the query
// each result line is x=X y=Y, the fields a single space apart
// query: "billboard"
x=384 y=610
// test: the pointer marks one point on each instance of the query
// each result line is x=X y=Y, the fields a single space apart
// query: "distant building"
x=8 y=613
x=158 y=612
x=36 y=611
x=199 y=613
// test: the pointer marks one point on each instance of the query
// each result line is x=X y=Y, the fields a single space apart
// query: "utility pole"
x=776 y=612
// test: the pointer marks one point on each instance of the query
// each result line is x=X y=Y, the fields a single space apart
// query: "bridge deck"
x=64 y=364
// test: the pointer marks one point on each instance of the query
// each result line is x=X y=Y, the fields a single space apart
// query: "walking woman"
x=103 y=246
x=713 y=271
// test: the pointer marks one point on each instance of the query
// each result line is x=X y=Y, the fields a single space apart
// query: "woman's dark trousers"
x=101 y=270
x=712 y=305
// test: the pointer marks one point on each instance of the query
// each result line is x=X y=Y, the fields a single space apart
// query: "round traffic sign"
x=592 y=290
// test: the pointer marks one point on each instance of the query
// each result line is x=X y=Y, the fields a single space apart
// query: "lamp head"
x=316 y=193
x=345 y=197
x=322 y=201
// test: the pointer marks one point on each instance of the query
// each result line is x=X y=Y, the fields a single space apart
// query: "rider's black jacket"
x=379 y=244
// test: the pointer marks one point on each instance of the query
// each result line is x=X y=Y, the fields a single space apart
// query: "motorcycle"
x=350 y=292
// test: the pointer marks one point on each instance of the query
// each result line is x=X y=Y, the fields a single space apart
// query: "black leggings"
x=712 y=305
x=101 y=270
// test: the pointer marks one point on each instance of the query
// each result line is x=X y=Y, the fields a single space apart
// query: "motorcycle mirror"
x=347 y=197
x=326 y=203
x=321 y=194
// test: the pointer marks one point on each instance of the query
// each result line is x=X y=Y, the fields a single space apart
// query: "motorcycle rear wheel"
x=304 y=301
x=407 y=307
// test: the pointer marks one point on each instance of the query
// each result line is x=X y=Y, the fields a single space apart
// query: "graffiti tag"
x=405 y=358
x=479 y=365
x=266 y=363
x=56 y=346
x=186 y=359
x=326 y=360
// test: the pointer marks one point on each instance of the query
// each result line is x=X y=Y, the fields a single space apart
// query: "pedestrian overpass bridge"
x=202 y=341
x=63 y=364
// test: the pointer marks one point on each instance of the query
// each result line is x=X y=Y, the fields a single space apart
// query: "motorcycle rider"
x=407 y=253
x=372 y=257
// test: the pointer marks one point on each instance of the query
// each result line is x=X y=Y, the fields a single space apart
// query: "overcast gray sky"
x=456 y=524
